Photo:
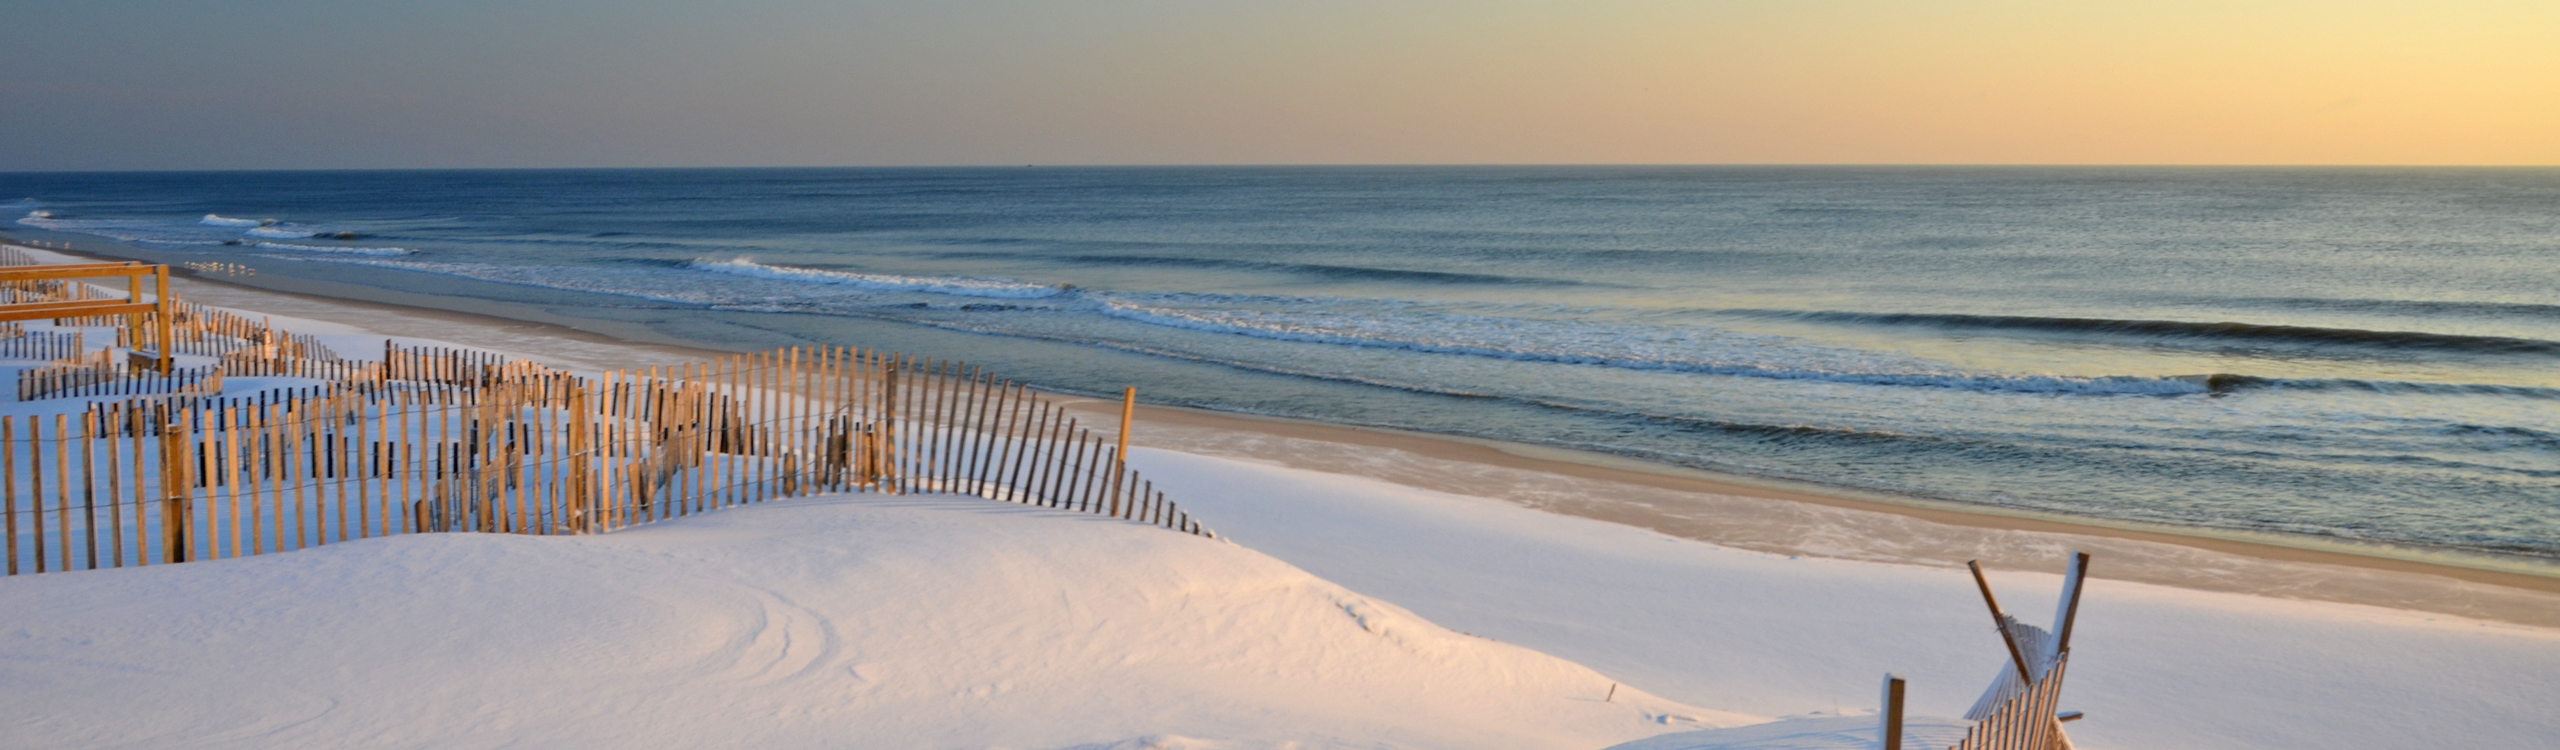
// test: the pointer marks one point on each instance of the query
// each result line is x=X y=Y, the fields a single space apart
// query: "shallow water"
x=2366 y=354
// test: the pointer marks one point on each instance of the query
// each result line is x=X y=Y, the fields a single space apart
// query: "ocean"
x=2365 y=355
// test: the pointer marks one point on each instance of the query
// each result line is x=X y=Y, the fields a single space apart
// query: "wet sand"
x=1732 y=511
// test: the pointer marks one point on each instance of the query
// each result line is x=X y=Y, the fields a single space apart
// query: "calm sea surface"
x=2363 y=354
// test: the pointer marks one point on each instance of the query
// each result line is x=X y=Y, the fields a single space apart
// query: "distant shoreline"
x=2518 y=590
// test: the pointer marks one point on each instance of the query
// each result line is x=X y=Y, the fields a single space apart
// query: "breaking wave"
x=953 y=285
x=1326 y=271
x=2228 y=382
x=282 y=233
x=1704 y=352
x=2227 y=331
x=327 y=249
x=218 y=220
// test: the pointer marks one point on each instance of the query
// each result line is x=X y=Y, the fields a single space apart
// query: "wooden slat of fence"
x=1030 y=418
x=697 y=444
x=249 y=461
x=755 y=411
x=61 y=490
x=1044 y=462
x=101 y=431
x=960 y=428
x=370 y=464
x=1025 y=473
x=762 y=425
x=1079 y=470
x=341 y=463
x=289 y=444
x=408 y=456
x=9 y=488
x=962 y=383
x=266 y=529
x=945 y=393
x=1061 y=459
x=131 y=430
x=1010 y=411
x=914 y=422
x=218 y=470
x=177 y=487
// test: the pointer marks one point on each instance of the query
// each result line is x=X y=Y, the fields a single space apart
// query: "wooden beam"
x=168 y=333
x=72 y=271
x=1889 y=734
x=1120 y=459
x=1998 y=621
x=2062 y=621
x=73 y=309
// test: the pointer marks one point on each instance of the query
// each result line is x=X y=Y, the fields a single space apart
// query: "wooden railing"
x=448 y=440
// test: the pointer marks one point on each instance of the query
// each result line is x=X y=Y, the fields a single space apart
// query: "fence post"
x=1889 y=729
x=1120 y=458
x=9 y=485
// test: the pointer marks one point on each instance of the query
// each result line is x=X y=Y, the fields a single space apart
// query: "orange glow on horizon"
x=1967 y=81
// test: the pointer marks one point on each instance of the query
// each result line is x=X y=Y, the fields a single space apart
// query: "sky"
x=300 y=84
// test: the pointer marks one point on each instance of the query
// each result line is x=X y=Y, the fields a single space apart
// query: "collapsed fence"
x=446 y=440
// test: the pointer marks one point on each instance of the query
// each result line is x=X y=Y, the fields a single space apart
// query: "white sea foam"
x=282 y=233
x=953 y=285
x=328 y=249
x=218 y=220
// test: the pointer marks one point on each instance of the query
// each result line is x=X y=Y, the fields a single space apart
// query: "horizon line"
x=1307 y=165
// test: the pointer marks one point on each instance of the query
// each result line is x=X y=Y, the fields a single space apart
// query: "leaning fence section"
x=449 y=440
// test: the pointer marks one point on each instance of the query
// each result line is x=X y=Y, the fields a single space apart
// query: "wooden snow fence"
x=91 y=381
x=46 y=345
x=38 y=292
x=448 y=440
x=2021 y=709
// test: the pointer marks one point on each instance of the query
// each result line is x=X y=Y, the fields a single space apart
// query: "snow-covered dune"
x=2153 y=666
x=845 y=621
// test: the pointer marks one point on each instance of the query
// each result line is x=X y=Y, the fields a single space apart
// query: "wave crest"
x=218 y=220
x=327 y=249
x=1703 y=352
x=953 y=285
x=2179 y=329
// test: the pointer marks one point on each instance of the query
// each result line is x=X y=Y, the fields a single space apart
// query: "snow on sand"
x=844 y=621
x=2154 y=667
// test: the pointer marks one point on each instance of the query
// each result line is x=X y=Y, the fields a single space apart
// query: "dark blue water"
x=2361 y=354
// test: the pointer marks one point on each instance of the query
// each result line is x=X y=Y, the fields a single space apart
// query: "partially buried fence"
x=41 y=344
x=444 y=440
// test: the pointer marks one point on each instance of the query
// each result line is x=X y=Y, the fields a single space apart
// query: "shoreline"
x=1744 y=514
x=1741 y=512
